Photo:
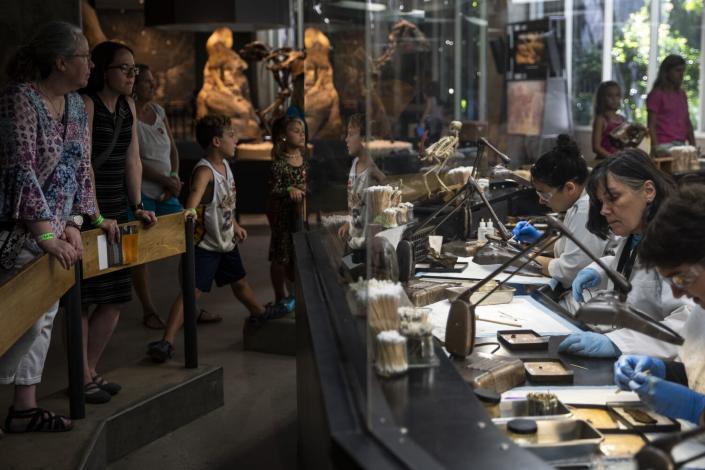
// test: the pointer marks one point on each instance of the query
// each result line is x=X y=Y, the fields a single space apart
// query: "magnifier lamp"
x=498 y=171
x=413 y=246
x=608 y=309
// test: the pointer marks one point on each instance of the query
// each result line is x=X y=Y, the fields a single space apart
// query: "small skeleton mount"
x=439 y=153
x=286 y=64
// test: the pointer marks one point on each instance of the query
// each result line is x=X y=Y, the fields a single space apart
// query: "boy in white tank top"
x=212 y=202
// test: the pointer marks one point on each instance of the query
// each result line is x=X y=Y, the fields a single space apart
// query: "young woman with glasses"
x=118 y=177
x=559 y=178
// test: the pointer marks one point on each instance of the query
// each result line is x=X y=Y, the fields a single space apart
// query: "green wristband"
x=191 y=210
x=45 y=236
x=174 y=174
x=99 y=220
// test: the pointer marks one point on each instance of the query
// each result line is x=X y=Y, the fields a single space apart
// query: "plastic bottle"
x=490 y=229
x=482 y=231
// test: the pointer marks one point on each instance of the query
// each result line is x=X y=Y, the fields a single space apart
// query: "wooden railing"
x=28 y=294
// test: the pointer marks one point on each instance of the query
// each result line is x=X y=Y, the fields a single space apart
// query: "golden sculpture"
x=225 y=89
x=321 y=97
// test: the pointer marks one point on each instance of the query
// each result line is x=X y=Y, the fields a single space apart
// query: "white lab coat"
x=569 y=259
x=652 y=295
x=692 y=353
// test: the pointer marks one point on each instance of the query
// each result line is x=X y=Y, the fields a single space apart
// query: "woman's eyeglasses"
x=684 y=280
x=127 y=69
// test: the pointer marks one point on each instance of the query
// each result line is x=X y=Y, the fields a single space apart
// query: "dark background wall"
x=19 y=18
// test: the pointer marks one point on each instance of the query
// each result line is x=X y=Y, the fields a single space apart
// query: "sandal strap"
x=39 y=420
x=91 y=388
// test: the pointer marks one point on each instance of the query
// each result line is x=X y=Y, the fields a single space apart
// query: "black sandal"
x=40 y=420
x=110 y=387
x=95 y=395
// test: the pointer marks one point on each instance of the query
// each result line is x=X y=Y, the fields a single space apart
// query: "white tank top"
x=216 y=218
x=155 y=150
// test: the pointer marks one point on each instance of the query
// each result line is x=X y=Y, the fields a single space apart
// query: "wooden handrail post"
x=74 y=346
x=188 y=288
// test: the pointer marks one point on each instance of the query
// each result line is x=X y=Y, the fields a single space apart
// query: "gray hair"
x=35 y=60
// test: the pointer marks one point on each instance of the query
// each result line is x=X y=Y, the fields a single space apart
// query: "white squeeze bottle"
x=482 y=232
x=490 y=229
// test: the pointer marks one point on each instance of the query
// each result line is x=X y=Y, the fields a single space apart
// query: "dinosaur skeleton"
x=286 y=64
x=439 y=153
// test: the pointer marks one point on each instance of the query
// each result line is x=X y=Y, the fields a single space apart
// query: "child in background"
x=667 y=103
x=216 y=255
x=607 y=102
x=286 y=205
x=363 y=174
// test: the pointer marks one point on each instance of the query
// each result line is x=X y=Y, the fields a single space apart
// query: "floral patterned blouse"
x=45 y=170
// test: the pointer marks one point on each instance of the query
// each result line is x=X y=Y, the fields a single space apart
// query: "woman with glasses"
x=559 y=178
x=118 y=177
x=45 y=184
x=625 y=193
x=674 y=245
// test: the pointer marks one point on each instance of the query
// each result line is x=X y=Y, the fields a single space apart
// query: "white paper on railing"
x=102 y=252
x=523 y=310
x=479 y=271
x=597 y=395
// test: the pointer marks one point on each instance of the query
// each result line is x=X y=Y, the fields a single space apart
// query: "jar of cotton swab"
x=417 y=330
x=390 y=353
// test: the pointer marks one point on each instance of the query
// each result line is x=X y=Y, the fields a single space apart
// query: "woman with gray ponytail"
x=45 y=184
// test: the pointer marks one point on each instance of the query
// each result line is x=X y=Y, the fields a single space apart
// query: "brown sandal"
x=204 y=316
x=153 y=322
x=40 y=420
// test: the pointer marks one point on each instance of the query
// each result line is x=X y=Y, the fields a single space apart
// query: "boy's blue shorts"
x=224 y=268
x=170 y=206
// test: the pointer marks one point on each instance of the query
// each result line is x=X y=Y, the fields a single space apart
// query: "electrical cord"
x=493 y=343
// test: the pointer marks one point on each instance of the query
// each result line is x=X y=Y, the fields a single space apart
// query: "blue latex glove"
x=585 y=279
x=526 y=233
x=627 y=366
x=669 y=398
x=589 y=344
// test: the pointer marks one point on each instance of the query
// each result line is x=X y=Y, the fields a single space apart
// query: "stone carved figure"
x=321 y=97
x=225 y=89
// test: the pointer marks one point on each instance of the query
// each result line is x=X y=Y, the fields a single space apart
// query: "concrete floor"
x=257 y=425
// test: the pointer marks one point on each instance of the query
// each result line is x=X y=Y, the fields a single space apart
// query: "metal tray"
x=559 y=439
x=519 y=408
x=662 y=424
x=538 y=343
x=562 y=376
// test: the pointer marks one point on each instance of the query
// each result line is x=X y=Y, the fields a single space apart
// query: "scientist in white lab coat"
x=559 y=178
x=675 y=245
x=625 y=193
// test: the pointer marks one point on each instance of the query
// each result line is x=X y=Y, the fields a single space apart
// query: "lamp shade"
x=206 y=15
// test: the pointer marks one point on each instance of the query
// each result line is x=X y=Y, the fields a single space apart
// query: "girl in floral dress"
x=287 y=202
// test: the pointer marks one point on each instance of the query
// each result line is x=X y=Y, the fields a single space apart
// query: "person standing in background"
x=667 y=103
x=160 y=176
x=606 y=118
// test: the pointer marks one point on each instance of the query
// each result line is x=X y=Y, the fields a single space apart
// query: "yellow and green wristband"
x=98 y=220
x=45 y=236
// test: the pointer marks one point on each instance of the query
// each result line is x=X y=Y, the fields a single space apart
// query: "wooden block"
x=27 y=295
x=163 y=240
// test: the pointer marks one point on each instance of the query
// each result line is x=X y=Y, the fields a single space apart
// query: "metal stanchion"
x=188 y=288
x=74 y=346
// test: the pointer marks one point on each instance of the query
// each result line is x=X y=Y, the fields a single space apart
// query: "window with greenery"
x=588 y=24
